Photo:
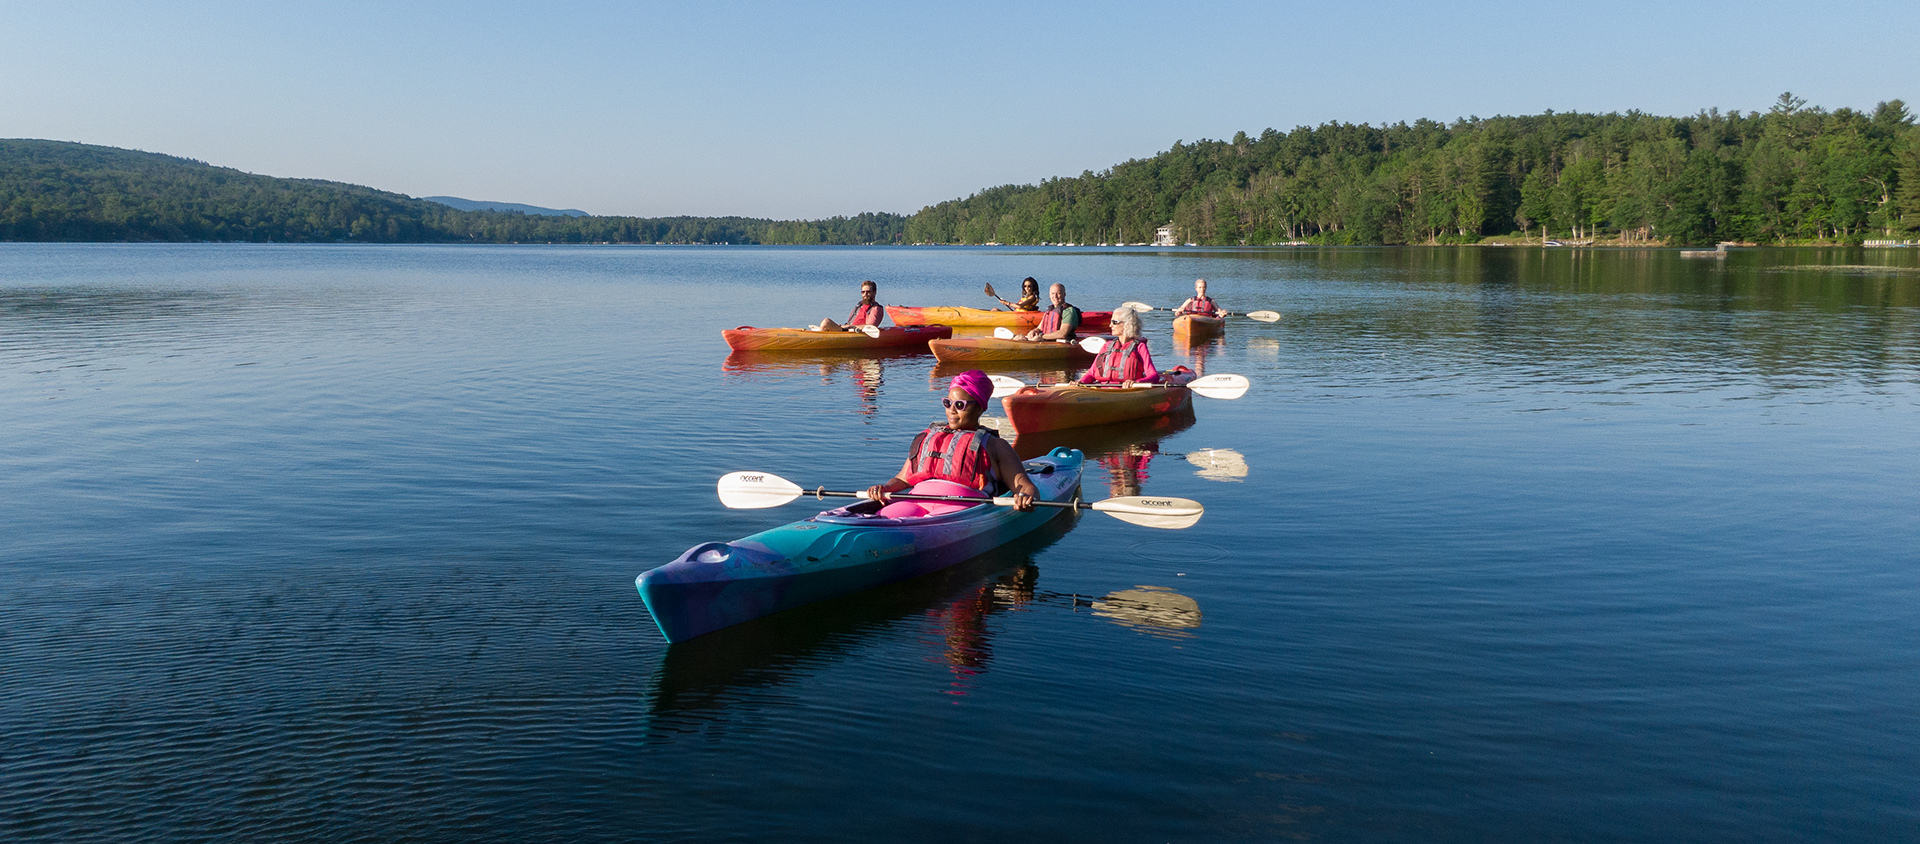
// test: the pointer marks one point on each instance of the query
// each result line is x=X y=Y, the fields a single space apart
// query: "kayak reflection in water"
x=868 y=312
x=965 y=644
x=1125 y=361
x=1127 y=468
x=959 y=457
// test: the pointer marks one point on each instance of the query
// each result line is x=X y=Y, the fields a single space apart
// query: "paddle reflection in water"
x=866 y=370
x=1151 y=609
x=704 y=683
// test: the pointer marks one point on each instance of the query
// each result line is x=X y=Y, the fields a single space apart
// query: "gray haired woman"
x=1125 y=361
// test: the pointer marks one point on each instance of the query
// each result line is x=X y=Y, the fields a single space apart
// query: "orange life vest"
x=1116 y=363
x=1203 y=305
x=949 y=455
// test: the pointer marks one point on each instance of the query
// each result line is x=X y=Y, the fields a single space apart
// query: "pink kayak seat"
x=913 y=509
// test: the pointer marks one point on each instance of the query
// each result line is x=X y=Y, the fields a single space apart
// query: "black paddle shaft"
x=824 y=493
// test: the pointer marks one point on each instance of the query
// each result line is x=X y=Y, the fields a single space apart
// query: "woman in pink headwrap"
x=958 y=457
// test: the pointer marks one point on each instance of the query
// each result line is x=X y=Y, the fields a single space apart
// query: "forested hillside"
x=50 y=190
x=1793 y=174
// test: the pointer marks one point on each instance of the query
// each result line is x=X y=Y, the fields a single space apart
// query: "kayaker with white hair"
x=868 y=312
x=957 y=457
x=1124 y=360
x=1200 y=303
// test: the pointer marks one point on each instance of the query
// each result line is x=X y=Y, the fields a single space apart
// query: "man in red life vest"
x=957 y=458
x=868 y=312
x=1061 y=320
x=1200 y=303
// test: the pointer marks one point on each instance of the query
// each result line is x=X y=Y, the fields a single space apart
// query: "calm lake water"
x=338 y=544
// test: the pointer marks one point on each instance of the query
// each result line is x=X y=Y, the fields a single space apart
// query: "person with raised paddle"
x=959 y=457
x=1124 y=361
x=1061 y=321
x=1029 y=296
x=868 y=312
x=1200 y=303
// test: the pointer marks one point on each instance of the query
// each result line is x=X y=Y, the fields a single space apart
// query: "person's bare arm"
x=1008 y=466
x=897 y=483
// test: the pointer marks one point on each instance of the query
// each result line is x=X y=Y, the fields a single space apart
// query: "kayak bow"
x=838 y=552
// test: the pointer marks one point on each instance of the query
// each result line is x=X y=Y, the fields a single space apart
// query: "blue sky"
x=813 y=109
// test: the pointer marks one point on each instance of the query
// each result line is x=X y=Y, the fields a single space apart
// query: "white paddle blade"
x=1094 y=344
x=1264 y=316
x=1220 y=386
x=870 y=330
x=1003 y=333
x=1140 y=307
x=1219 y=464
x=1165 y=513
x=1004 y=386
x=756 y=490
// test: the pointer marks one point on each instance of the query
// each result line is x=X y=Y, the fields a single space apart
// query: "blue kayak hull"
x=720 y=584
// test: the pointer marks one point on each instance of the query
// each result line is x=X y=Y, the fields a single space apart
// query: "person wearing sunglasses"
x=1125 y=361
x=868 y=312
x=957 y=457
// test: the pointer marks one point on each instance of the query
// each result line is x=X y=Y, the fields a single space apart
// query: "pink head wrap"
x=975 y=384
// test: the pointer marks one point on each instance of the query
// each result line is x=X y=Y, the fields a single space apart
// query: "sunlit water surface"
x=338 y=544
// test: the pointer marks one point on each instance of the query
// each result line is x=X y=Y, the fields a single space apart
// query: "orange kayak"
x=746 y=338
x=1073 y=405
x=1090 y=321
x=1195 y=325
x=971 y=349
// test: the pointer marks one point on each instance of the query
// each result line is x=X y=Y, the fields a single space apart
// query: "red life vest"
x=1116 y=363
x=1203 y=305
x=865 y=314
x=949 y=455
x=1051 y=322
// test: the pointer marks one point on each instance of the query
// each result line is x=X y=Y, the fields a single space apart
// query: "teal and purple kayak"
x=838 y=552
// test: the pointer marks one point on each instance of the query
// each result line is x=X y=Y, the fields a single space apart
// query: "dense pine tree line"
x=1793 y=174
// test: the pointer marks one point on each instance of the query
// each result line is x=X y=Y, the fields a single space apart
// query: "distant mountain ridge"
x=483 y=205
x=62 y=191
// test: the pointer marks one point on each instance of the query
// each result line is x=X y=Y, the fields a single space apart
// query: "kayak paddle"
x=1257 y=316
x=996 y=296
x=1091 y=344
x=758 y=490
x=1004 y=386
x=869 y=330
x=1212 y=386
